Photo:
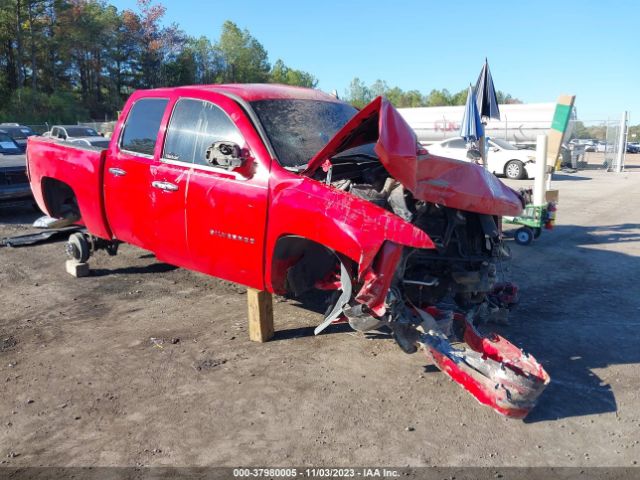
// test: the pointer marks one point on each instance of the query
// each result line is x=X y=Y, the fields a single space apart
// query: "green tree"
x=379 y=88
x=506 y=98
x=460 y=98
x=412 y=99
x=280 y=73
x=59 y=107
x=438 y=98
x=207 y=60
x=244 y=59
x=358 y=94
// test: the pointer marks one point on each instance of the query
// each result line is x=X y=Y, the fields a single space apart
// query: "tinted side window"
x=143 y=123
x=194 y=126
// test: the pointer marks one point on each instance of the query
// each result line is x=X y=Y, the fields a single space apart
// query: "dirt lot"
x=85 y=384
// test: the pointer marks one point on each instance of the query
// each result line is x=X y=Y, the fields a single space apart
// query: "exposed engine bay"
x=468 y=250
x=433 y=298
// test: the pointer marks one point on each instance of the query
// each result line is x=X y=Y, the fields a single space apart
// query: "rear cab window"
x=142 y=126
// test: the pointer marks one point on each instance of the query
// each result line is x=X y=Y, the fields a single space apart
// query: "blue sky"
x=536 y=50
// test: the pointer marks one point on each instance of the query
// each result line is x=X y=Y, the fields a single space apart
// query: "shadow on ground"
x=18 y=213
x=136 y=270
x=578 y=314
x=569 y=177
x=291 y=333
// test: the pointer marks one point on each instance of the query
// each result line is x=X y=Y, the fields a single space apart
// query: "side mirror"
x=495 y=149
x=225 y=154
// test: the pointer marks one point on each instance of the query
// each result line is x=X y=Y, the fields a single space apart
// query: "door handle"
x=166 y=186
x=118 y=172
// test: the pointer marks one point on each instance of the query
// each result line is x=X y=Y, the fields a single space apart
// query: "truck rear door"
x=145 y=199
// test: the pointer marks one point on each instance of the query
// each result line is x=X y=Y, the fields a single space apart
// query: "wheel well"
x=298 y=263
x=59 y=198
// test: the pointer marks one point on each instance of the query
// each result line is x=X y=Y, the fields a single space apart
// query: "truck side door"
x=127 y=176
x=226 y=208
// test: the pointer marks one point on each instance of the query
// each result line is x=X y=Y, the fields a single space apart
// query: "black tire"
x=523 y=236
x=78 y=247
x=514 y=169
x=537 y=232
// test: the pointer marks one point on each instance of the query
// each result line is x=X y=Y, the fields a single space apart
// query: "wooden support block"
x=260 y=307
x=77 y=269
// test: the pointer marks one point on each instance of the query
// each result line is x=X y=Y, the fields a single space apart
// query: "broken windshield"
x=298 y=129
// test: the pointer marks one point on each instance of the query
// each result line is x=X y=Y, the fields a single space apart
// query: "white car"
x=99 y=142
x=502 y=157
x=78 y=135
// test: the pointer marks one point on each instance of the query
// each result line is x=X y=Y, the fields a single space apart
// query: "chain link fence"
x=606 y=143
x=612 y=134
x=616 y=143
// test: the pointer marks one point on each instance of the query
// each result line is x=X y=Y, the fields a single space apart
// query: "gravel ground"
x=146 y=364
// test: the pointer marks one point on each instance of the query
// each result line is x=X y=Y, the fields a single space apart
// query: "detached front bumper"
x=496 y=372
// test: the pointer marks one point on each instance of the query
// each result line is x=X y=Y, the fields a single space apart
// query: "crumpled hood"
x=448 y=182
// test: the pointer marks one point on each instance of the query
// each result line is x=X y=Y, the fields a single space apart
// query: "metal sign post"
x=540 y=182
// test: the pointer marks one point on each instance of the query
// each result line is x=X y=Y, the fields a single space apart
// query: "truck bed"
x=79 y=167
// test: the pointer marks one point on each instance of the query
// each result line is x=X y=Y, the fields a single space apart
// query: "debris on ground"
x=209 y=364
x=53 y=223
x=6 y=343
x=39 y=237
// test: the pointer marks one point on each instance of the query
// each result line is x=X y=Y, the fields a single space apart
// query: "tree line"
x=599 y=132
x=359 y=94
x=68 y=60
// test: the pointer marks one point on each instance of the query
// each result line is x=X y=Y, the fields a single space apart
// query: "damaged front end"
x=429 y=298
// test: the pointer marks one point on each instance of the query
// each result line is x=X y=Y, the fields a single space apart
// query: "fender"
x=340 y=221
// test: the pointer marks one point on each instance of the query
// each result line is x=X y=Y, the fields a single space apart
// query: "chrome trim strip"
x=205 y=168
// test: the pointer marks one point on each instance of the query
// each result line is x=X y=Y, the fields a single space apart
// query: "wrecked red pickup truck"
x=288 y=189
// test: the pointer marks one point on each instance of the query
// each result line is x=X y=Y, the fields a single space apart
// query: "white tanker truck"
x=518 y=124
